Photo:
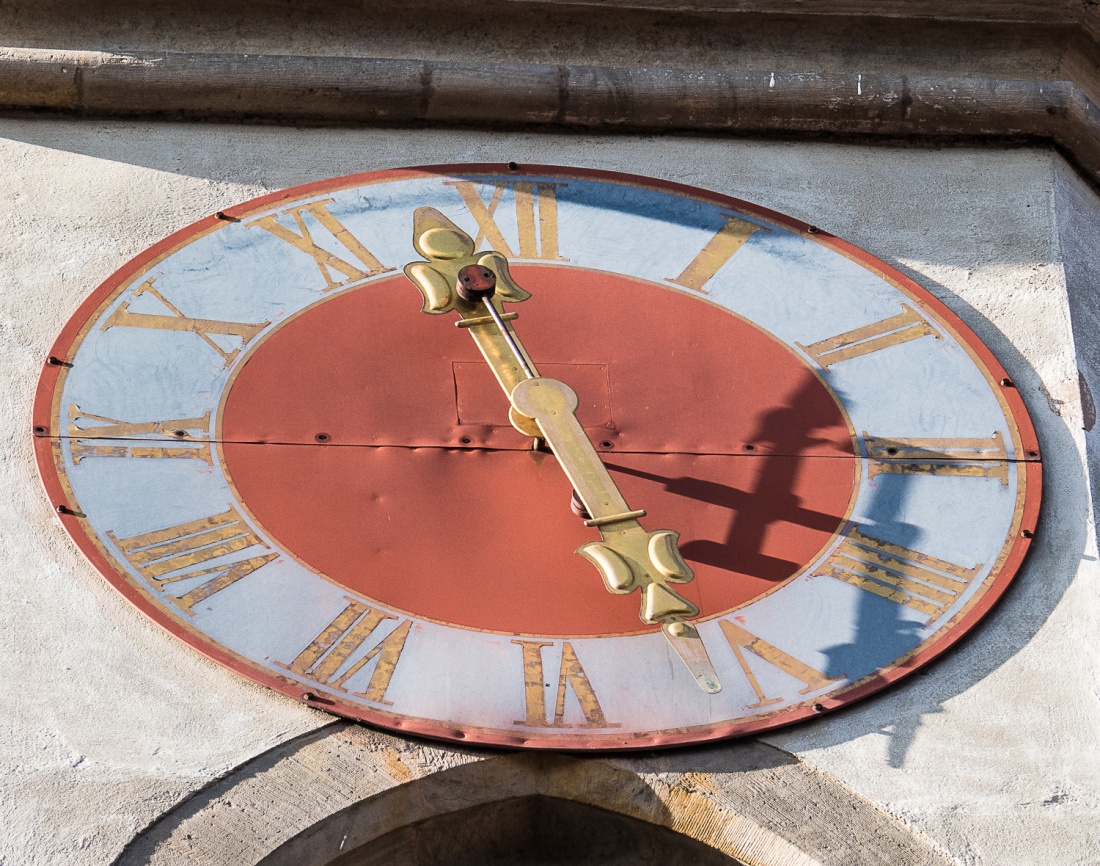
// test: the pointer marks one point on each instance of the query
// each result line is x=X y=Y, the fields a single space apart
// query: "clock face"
x=257 y=436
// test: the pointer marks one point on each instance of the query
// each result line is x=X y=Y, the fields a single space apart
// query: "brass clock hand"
x=627 y=556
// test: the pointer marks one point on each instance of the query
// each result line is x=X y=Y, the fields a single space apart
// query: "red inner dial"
x=372 y=442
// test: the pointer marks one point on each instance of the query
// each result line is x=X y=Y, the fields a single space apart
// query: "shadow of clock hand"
x=739 y=550
x=783 y=434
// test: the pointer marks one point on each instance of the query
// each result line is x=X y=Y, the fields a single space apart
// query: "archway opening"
x=533 y=831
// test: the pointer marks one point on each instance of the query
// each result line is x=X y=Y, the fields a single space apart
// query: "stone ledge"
x=330 y=90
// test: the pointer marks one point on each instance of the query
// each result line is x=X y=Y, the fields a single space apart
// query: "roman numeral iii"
x=959 y=457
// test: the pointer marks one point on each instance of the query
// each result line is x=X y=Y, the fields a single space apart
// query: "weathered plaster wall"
x=106 y=723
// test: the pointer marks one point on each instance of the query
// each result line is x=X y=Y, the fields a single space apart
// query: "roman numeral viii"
x=355 y=262
x=917 y=580
x=323 y=660
x=110 y=437
x=205 y=329
x=176 y=554
x=907 y=325
x=536 y=212
x=571 y=676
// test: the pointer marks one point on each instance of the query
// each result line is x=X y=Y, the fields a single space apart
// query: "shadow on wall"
x=1050 y=568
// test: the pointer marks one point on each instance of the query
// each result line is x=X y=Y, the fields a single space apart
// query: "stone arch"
x=525 y=831
x=345 y=787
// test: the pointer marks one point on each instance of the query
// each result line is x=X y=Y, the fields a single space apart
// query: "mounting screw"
x=1007 y=383
x=819 y=708
x=607 y=443
x=222 y=215
x=750 y=447
x=513 y=166
x=64 y=509
x=54 y=361
x=322 y=437
x=1027 y=533
x=812 y=230
x=465 y=440
x=40 y=430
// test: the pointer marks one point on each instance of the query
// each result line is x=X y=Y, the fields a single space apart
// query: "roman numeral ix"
x=107 y=437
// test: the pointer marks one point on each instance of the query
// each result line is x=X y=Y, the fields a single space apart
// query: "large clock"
x=537 y=456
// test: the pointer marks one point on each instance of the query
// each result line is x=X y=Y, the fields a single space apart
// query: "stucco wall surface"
x=106 y=722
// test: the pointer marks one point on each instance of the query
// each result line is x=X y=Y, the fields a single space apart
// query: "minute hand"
x=627 y=557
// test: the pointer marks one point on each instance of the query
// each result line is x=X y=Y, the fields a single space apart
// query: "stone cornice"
x=923 y=79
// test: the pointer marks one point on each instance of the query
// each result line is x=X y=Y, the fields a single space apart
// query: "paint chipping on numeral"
x=961 y=457
x=907 y=325
x=741 y=641
x=101 y=436
x=168 y=556
x=342 y=638
x=571 y=676
x=536 y=209
x=331 y=266
x=917 y=580
x=205 y=329
x=718 y=250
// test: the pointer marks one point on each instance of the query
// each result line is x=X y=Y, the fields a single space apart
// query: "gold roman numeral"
x=962 y=457
x=182 y=437
x=570 y=676
x=741 y=641
x=329 y=264
x=536 y=208
x=909 y=577
x=327 y=653
x=907 y=325
x=719 y=250
x=177 y=321
x=170 y=555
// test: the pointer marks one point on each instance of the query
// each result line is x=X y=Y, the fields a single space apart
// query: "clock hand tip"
x=684 y=638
